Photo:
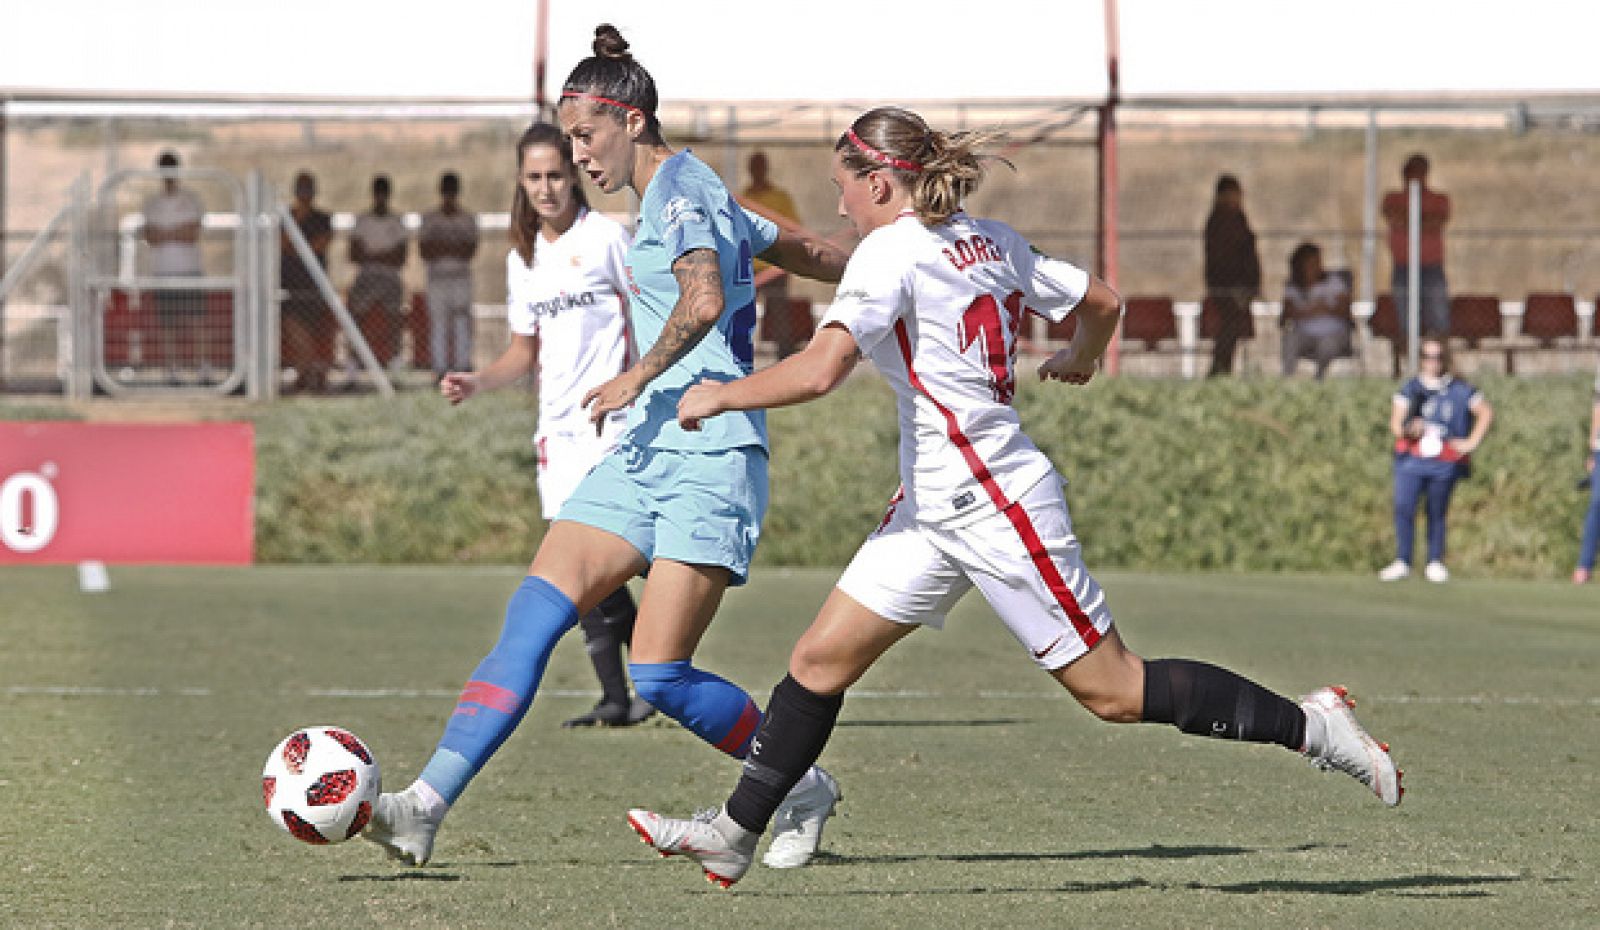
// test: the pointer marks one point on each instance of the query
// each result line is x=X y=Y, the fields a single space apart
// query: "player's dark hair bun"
x=609 y=43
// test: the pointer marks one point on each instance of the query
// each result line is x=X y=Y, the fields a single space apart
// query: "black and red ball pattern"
x=269 y=787
x=295 y=750
x=302 y=830
x=348 y=740
x=331 y=788
x=363 y=816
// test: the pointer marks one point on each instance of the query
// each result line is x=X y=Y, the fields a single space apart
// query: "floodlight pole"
x=1106 y=181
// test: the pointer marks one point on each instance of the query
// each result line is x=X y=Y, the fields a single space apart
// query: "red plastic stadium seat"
x=1149 y=320
x=417 y=326
x=1548 y=316
x=1065 y=329
x=1211 y=322
x=800 y=322
x=1385 y=320
x=1474 y=318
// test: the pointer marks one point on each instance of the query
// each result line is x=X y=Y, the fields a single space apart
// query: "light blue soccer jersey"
x=687 y=207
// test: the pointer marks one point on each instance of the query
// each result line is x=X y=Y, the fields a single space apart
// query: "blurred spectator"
x=774 y=293
x=1591 y=520
x=1435 y=296
x=1437 y=423
x=172 y=230
x=1233 y=270
x=1316 y=312
x=307 y=327
x=448 y=240
x=378 y=249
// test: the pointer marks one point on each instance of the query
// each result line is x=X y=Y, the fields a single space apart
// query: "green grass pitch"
x=133 y=727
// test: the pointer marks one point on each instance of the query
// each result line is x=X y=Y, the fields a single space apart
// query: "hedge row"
x=1219 y=475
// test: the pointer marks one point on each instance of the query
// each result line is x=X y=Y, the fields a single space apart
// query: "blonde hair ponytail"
x=940 y=169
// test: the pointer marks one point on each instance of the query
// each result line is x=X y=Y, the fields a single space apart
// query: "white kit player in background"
x=565 y=280
x=172 y=220
x=448 y=240
x=935 y=298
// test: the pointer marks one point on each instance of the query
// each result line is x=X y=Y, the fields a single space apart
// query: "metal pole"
x=2 y=240
x=1106 y=260
x=1369 y=214
x=358 y=343
x=1413 y=271
x=541 y=57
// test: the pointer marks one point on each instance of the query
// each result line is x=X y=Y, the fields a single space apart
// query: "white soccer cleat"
x=1436 y=572
x=712 y=838
x=1395 y=571
x=401 y=825
x=797 y=824
x=1348 y=748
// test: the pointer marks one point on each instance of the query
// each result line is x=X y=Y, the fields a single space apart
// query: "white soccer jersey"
x=572 y=300
x=168 y=212
x=937 y=310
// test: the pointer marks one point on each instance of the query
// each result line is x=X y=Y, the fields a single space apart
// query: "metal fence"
x=1519 y=174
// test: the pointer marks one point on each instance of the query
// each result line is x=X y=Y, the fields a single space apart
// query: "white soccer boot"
x=1348 y=748
x=797 y=823
x=712 y=838
x=1395 y=571
x=402 y=825
x=1436 y=572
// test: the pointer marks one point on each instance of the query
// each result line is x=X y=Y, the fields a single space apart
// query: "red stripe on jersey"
x=1018 y=516
x=743 y=729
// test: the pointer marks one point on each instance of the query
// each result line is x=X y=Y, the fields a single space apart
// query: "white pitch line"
x=891 y=695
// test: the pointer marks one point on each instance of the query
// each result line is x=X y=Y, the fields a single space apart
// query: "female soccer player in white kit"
x=934 y=297
x=686 y=506
x=565 y=276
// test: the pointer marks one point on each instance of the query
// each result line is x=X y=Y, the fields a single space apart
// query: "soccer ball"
x=320 y=784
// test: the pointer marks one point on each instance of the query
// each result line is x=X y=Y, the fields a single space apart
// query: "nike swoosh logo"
x=1041 y=653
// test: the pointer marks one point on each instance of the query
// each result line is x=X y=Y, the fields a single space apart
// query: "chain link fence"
x=422 y=279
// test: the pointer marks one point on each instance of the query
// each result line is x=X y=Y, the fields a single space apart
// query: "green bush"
x=1218 y=475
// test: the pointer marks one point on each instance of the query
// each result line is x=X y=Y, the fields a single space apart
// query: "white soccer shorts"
x=1027 y=563
x=566 y=458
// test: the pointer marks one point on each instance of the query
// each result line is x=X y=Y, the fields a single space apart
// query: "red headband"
x=882 y=158
x=606 y=100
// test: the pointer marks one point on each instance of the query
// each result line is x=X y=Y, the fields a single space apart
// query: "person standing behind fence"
x=1435 y=294
x=1437 y=422
x=1316 y=312
x=307 y=328
x=448 y=240
x=1591 y=520
x=378 y=248
x=774 y=292
x=172 y=230
x=1233 y=271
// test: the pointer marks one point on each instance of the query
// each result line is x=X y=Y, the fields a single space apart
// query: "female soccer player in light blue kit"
x=685 y=505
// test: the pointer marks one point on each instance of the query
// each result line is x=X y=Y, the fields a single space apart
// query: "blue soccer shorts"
x=699 y=508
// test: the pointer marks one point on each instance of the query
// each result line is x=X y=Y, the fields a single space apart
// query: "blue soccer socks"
x=502 y=687
x=714 y=709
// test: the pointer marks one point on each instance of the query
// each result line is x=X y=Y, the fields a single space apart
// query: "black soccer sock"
x=1209 y=701
x=797 y=726
x=605 y=630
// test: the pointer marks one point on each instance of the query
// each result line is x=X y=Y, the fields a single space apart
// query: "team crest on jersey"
x=678 y=211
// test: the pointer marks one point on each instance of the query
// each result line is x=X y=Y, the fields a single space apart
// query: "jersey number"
x=983 y=319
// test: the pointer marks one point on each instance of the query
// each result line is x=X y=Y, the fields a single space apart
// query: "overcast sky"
x=813 y=49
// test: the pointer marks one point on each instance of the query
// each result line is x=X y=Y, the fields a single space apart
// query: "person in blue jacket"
x=1438 y=421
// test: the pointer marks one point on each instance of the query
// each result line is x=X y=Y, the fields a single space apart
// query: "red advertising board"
x=127 y=493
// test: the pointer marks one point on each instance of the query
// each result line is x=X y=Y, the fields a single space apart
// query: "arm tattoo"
x=700 y=303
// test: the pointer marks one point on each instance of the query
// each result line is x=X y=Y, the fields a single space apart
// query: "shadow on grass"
x=410 y=875
x=1077 y=855
x=1415 y=885
x=1410 y=886
x=993 y=722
